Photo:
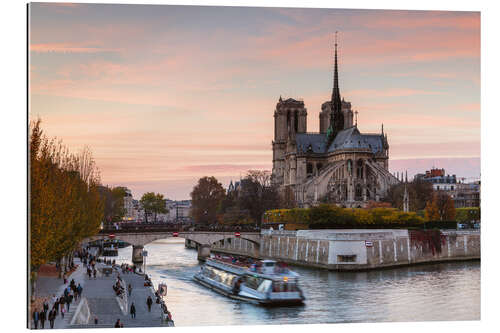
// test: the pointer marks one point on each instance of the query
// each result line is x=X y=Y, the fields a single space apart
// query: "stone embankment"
x=354 y=249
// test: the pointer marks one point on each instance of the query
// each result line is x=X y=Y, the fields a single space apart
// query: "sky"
x=164 y=95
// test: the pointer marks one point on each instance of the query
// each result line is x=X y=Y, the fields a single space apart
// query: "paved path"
x=48 y=286
x=103 y=304
x=102 y=300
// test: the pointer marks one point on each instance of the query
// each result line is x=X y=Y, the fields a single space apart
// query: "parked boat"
x=264 y=283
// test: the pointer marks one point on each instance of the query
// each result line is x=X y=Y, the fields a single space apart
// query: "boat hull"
x=262 y=302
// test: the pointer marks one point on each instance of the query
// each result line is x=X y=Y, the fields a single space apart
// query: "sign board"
x=237 y=234
x=111 y=236
x=144 y=253
x=175 y=234
x=368 y=243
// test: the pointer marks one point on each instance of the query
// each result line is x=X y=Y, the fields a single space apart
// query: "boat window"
x=264 y=286
x=253 y=282
x=280 y=287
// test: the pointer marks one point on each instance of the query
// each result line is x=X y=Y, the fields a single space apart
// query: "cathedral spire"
x=336 y=103
x=336 y=115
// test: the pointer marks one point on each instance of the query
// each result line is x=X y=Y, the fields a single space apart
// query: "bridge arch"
x=204 y=239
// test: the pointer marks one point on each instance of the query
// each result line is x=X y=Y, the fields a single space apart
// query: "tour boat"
x=264 y=283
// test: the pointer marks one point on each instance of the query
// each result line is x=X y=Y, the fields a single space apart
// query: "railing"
x=168 y=227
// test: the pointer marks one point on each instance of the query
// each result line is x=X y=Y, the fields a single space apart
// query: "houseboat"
x=263 y=282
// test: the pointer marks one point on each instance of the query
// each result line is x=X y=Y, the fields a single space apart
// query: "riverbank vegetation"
x=64 y=201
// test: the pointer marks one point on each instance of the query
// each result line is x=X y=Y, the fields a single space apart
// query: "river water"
x=446 y=291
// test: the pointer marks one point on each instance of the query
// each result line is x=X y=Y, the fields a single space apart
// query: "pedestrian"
x=43 y=316
x=89 y=272
x=117 y=324
x=62 y=301
x=95 y=273
x=132 y=310
x=56 y=306
x=46 y=307
x=129 y=289
x=149 y=302
x=63 y=311
x=36 y=317
x=79 y=290
x=52 y=317
x=96 y=320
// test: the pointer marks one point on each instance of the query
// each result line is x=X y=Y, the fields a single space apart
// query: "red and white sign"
x=111 y=235
x=175 y=234
x=368 y=244
x=237 y=234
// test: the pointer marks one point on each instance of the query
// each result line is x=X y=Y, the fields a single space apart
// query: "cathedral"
x=339 y=164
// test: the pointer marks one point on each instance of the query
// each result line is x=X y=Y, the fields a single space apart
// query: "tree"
x=440 y=208
x=65 y=206
x=148 y=202
x=160 y=205
x=419 y=191
x=257 y=195
x=206 y=198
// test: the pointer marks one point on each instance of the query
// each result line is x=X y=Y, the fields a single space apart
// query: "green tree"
x=206 y=198
x=148 y=202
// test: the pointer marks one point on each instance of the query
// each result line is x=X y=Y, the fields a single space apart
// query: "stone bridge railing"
x=140 y=237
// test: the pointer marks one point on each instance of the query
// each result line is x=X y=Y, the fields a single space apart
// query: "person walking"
x=117 y=324
x=149 y=302
x=96 y=320
x=43 y=316
x=56 y=306
x=132 y=310
x=52 y=317
x=36 y=317
x=46 y=307
x=63 y=311
x=79 y=290
x=129 y=289
x=62 y=301
x=95 y=273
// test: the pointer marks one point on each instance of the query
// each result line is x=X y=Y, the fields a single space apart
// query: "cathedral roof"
x=352 y=138
x=349 y=138
x=310 y=142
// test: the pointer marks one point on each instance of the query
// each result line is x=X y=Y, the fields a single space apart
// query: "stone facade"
x=339 y=164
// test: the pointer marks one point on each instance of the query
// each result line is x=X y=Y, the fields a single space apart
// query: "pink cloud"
x=67 y=48
x=395 y=92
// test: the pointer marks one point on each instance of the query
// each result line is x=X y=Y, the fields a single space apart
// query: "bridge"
x=139 y=236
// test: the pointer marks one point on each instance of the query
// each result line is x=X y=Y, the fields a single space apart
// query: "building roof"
x=311 y=142
x=349 y=138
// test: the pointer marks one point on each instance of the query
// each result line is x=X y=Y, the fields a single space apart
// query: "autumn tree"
x=65 y=206
x=440 y=208
x=257 y=195
x=206 y=198
x=419 y=192
x=153 y=203
x=114 y=207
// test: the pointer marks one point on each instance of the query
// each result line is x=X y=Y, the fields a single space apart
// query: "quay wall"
x=351 y=249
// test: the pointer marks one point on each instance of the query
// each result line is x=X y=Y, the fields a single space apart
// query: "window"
x=346 y=258
x=309 y=168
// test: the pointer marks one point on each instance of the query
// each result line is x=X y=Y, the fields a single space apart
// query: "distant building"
x=440 y=181
x=467 y=195
x=128 y=205
x=463 y=194
x=178 y=211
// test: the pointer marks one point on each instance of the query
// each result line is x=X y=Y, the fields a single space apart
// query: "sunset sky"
x=164 y=95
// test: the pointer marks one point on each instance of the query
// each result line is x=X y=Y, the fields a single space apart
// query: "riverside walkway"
x=102 y=301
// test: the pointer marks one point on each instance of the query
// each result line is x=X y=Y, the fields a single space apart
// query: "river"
x=445 y=291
